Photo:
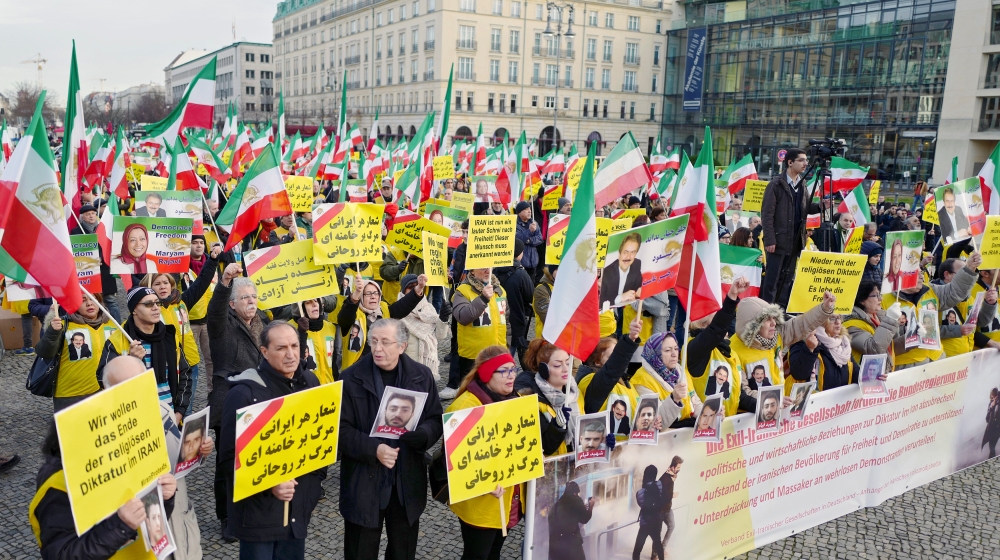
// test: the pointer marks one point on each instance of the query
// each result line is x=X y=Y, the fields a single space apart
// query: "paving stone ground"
x=955 y=517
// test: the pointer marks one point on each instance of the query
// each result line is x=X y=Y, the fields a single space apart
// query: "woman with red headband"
x=491 y=380
x=549 y=375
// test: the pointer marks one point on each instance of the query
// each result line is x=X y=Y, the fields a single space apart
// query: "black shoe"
x=7 y=463
x=447 y=357
x=226 y=536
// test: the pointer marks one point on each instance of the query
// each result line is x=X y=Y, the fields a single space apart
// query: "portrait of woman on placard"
x=894 y=274
x=135 y=241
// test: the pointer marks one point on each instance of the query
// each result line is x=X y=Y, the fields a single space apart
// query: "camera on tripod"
x=820 y=151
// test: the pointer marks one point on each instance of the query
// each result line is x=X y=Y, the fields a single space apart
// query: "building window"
x=623 y=110
x=489 y=102
x=656 y=78
x=251 y=107
x=413 y=70
x=551 y=74
x=512 y=72
x=458 y=100
x=609 y=20
x=392 y=15
x=513 y=104
x=249 y=57
x=249 y=74
x=498 y=7
x=565 y=103
x=656 y=55
x=633 y=23
x=538 y=12
x=468 y=100
x=631 y=53
x=589 y=78
x=608 y=49
x=592 y=19
x=992 y=72
x=402 y=12
x=550 y=102
x=495 y=40
x=494 y=70
x=515 y=9
x=586 y=107
x=630 y=81
x=535 y=70
x=515 y=41
x=989 y=118
x=534 y=101
x=591 y=49
x=467 y=5
x=378 y=19
x=465 y=68
x=631 y=111
x=606 y=78
x=250 y=90
x=415 y=39
x=538 y=42
x=659 y=23
x=466 y=37
x=503 y=102
x=431 y=5
x=652 y=111
x=606 y=108
x=401 y=69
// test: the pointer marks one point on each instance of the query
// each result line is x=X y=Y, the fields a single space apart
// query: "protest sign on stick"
x=300 y=192
x=153 y=183
x=112 y=447
x=649 y=257
x=141 y=245
x=171 y=204
x=463 y=201
x=901 y=263
x=491 y=241
x=819 y=272
x=347 y=232
x=753 y=195
x=88 y=262
x=990 y=248
x=287 y=273
x=853 y=240
x=287 y=437
x=406 y=232
x=435 y=259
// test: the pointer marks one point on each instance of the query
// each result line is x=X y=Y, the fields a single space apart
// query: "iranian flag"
x=260 y=195
x=7 y=142
x=216 y=168
x=74 y=160
x=281 y=120
x=855 y=203
x=989 y=181
x=195 y=108
x=657 y=160
x=846 y=174
x=572 y=322
x=373 y=133
x=409 y=182
x=119 y=177
x=623 y=171
x=182 y=176
x=104 y=228
x=689 y=196
x=260 y=141
x=665 y=187
x=740 y=261
x=31 y=206
x=737 y=174
x=699 y=283
x=356 y=138
x=674 y=159
x=953 y=172
x=479 y=155
x=557 y=164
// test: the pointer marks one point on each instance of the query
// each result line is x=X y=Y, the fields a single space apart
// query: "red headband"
x=490 y=366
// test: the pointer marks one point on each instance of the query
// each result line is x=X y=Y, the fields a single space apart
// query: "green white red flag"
x=856 y=204
x=989 y=181
x=206 y=156
x=195 y=109
x=119 y=170
x=623 y=171
x=182 y=175
x=846 y=174
x=740 y=261
x=953 y=172
x=75 y=152
x=260 y=195
x=738 y=173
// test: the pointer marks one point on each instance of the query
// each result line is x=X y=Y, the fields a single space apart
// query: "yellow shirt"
x=81 y=356
x=473 y=338
x=177 y=315
x=320 y=346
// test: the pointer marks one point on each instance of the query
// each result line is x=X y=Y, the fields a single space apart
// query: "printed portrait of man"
x=152 y=208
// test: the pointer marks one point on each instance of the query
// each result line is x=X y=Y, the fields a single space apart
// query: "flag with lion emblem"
x=740 y=261
x=260 y=195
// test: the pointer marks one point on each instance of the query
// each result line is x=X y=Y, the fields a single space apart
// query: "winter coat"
x=751 y=312
x=518 y=288
x=872 y=273
x=531 y=240
x=801 y=360
x=233 y=347
x=778 y=215
x=259 y=518
x=884 y=339
x=360 y=469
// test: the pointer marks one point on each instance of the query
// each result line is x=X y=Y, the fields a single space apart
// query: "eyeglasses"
x=150 y=304
x=375 y=343
x=249 y=297
x=877 y=296
x=369 y=294
x=507 y=372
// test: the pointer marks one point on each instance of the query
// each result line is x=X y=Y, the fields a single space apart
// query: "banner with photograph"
x=648 y=256
x=448 y=217
x=287 y=273
x=499 y=443
x=960 y=210
x=557 y=237
x=752 y=489
x=286 y=437
x=484 y=189
x=141 y=245
x=347 y=232
x=171 y=204
x=901 y=262
x=88 y=261
x=736 y=219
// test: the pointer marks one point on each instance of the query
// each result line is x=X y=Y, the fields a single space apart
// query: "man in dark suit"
x=152 y=208
x=619 y=419
x=354 y=342
x=78 y=348
x=622 y=279
x=954 y=222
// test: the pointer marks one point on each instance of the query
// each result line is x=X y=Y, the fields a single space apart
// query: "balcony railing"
x=378 y=55
x=606 y=87
x=413 y=78
x=378 y=82
x=992 y=81
x=514 y=49
x=349 y=60
x=495 y=47
x=536 y=80
x=630 y=88
x=388 y=53
x=353 y=85
x=553 y=53
x=495 y=79
x=631 y=60
x=591 y=56
x=429 y=45
x=415 y=48
x=466 y=76
x=429 y=75
x=466 y=44
x=402 y=50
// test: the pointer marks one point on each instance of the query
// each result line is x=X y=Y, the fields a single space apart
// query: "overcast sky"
x=123 y=42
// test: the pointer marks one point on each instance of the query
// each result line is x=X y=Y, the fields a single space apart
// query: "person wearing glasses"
x=831 y=346
x=783 y=217
x=490 y=380
x=365 y=306
x=549 y=375
x=383 y=482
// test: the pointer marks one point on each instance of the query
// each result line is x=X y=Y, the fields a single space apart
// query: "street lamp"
x=558 y=34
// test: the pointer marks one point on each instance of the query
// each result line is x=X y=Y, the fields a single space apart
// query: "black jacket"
x=233 y=348
x=360 y=469
x=58 y=532
x=605 y=378
x=259 y=518
x=519 y=289
x=778 y=215
x=802 y=360
x=711 y=337
x=552 y=435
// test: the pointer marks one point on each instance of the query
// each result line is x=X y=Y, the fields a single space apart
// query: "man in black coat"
x=257 y=521
x=384 y=481
x=615 y=291
x=519 y=289
x=783 y=217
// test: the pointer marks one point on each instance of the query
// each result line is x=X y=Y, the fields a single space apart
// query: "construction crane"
x=39 y=61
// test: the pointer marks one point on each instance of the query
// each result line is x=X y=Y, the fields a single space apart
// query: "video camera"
x=820 y=151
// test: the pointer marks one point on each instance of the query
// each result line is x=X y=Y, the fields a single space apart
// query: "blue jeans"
x=289 y=549
x=437 y=297
x=194 y=387
x=678 y=314
x=111 y=304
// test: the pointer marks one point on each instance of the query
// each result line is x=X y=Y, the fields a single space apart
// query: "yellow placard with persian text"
x=347 y=232
x=444 y=167
x=463 y=201
x=287 y=437
x=133 y=172
x=406 y=232
x=818 y=272
x=498 y=443
x=152 y=183
x=300 y=191
x=853 y=240
x=550 y=201
x=491 y=241
x=873 y=193
x=753 y=195
x=112 y=447
x=930 y=211
x=629 y=214
x=990 y=247
x=435 y=258
x=286 y=274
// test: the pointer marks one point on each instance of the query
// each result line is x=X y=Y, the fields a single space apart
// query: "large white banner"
x=751 y=489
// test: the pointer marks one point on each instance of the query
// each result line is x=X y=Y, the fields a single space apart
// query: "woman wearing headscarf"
x=135 y=241
x=874 y=330
x=831 y=346
x=549 y=374
x=491 y=380
x=319 y=338
x=364 y=307
x=565 y=518
x=661 y=374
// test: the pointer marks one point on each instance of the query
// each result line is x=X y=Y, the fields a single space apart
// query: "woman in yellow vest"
x=661 y=374
x=874 y=330
x=477 y=307
x=364 y=307
x=991 y=328
x=318 y=341
x=482 y=518
x=957 y=332
x=763 y=335
x=84 y=342
x=393 y=267
x=549 y=374
x=712 y=365
x=827 y=350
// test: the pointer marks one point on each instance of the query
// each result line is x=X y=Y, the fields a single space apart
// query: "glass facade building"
x=779 y=73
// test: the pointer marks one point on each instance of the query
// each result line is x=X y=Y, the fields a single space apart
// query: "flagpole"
x=104 y=309
x=687 y=315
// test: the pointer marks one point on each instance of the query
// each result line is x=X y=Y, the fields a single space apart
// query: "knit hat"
x=87 y=208
x=522 y=206
x=407 y=281
x=197 y=236
x=633 y=200
x=518 y=248
x=562 y=202
x=136 y=295
x=871 y=248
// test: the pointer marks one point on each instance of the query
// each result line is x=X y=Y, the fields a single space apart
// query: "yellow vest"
x=820 y=373
x=200 y=309
x=539 y=324
x=914 y=355
x=133 y=551
x=621 y=393
x=750 y=357
x=78 y=377
x=177 y=315
x=962 y=344
x=321 y=349
x=628 y=315
x=735 y=378
x=608 y=323
x=863 y=325
x=482 y=511
x=650 y=381
x=472 y=339
x=349 y=356
x=550 y=413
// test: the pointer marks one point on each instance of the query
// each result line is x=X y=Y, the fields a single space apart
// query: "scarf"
x=173 y=299
x=766 y=343
x=422 y=324
x=87 y=228
x=651 y=357
x=256 y=327
x=485 y=394
x=478 y=286
x=567 y=396
x=164 y=352
x=94 y=323
x=839 y=348
x=198 y=264
x=372 y=314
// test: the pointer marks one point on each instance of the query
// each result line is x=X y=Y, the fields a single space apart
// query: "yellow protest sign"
x=286 y=437
x=435 y=258
x=498 y=443
x=873 y=193
x=444 y=167
x=439 y=202
x=753 y=195
x=286 y=274
x=347 y=232
x=491 y=241
x=573 y=178
x=930 y=211
x=152 y=183
x=628 y=214
x=818 y=272
x=990 y=246
x=133 y=172
x=620 y=225
x=853 y=240
x=406 y=230
x=463 y=201
x=558 y=225
x=300 y=191
x=112 y=447
x=550 y=200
